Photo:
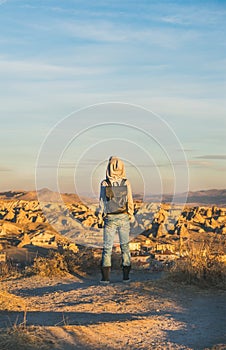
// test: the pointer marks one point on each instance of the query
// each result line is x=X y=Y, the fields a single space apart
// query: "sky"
x=84 y=80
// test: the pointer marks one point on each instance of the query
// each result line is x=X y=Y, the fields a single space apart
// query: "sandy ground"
x=147 y=313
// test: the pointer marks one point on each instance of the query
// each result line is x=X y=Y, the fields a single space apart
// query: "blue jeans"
x=116 y=223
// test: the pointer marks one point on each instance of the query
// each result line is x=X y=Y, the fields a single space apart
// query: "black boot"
x=126 y=270
x=105 y=270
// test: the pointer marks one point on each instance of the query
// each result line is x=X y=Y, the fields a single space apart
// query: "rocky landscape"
x=25 y=221
x=74 y=311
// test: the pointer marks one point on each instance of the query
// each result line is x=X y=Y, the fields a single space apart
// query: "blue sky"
x=165 y=56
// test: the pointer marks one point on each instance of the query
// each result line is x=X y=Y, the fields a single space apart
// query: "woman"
x=116 y=211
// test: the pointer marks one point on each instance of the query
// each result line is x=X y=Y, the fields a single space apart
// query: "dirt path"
x=148 y=313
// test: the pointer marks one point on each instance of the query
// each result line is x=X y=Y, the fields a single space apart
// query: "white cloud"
x=213 y=156
x=4 y=169
x=209 y=166
x=31 y=69
x=193 y=14
x=112 y=32
x=201 y=164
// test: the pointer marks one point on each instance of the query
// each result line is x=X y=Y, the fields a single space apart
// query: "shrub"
x=52 y=265
x=200 y=266
x=56 y=264
x=85 y=261
x=8 y=269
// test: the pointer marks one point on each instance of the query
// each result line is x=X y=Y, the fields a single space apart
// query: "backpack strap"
x=108 y=182
x=123 y=182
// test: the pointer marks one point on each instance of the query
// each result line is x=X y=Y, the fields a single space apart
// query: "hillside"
x=73 y=311
x=202 y=197
x=207 y=197
x=155 y=227
x=44 y=194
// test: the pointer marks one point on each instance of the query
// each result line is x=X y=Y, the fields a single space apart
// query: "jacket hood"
x=115 y=169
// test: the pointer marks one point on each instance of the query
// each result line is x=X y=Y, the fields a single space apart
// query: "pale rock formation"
x=147 y=224
x=23 y=217
x=161 y=230
x=25 y=241
x=10 y=215
x=79 y=222
x=183 y=230
x=223 y=231
x=221 y=219
x=160 y=216
x=88 y=222
x=10 y=228
x=214 y=223
x=198 y=218
x=209 y=213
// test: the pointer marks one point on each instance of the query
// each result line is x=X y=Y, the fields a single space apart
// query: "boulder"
x=223 y=230
x=10 y=216
x=198 y=218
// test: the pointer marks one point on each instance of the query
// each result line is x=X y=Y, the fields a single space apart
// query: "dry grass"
x=200 y=266
x=11 y=302
x=56 y=264
x=17 y=337
x=85 y=260
x=52 y=265
x=7 y=269
x=20 y=337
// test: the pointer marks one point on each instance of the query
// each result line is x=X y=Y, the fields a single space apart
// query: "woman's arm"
x=130 y=205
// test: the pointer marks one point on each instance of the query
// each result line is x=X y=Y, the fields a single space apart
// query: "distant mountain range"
x=207 y=197
x=214 y=196
x=44 y=194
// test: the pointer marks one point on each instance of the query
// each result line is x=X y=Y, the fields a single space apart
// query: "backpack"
x=116 y=198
